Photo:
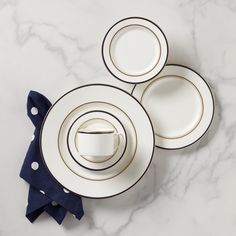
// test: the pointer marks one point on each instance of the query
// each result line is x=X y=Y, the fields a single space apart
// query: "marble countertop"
x=53 y=46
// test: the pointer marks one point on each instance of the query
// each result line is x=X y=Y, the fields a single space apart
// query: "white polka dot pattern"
x=34 y=165
x=54 y=203
x=65 y=190
x=34 y=111
x=45 y=193
x=41 y=191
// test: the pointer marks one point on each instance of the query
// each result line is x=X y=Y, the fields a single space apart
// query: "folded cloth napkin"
x=45 y=193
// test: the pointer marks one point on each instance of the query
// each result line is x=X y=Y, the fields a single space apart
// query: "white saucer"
x=180 y=105
x=128 y=170
x=135 y=50
x=95 y=120
x=105 y=173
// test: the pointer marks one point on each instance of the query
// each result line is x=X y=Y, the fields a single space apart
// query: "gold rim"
x=202 y=110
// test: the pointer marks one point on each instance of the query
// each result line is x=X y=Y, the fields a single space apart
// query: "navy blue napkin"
x=45 y=194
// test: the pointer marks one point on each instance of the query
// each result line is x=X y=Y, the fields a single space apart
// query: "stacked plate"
x=171 y=107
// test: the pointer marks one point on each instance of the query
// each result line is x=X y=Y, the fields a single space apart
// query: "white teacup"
x=96 y=143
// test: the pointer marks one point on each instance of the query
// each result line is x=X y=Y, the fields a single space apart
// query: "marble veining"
x=54 y=46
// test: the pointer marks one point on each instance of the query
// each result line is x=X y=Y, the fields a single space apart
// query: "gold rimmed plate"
x=122 y=160
x=180 y=104
x=121 y=176
x=135 y=50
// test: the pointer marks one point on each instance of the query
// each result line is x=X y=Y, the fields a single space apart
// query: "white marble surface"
x=54 y=45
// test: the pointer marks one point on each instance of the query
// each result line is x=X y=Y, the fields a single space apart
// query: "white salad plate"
x=135 y=50
x=116 y=108
x=107 y=170
x=180 y=104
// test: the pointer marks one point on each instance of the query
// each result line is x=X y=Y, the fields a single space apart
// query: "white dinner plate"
x=125 y=108
x=180 y=105
x=135 y=50
x=97 y=120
